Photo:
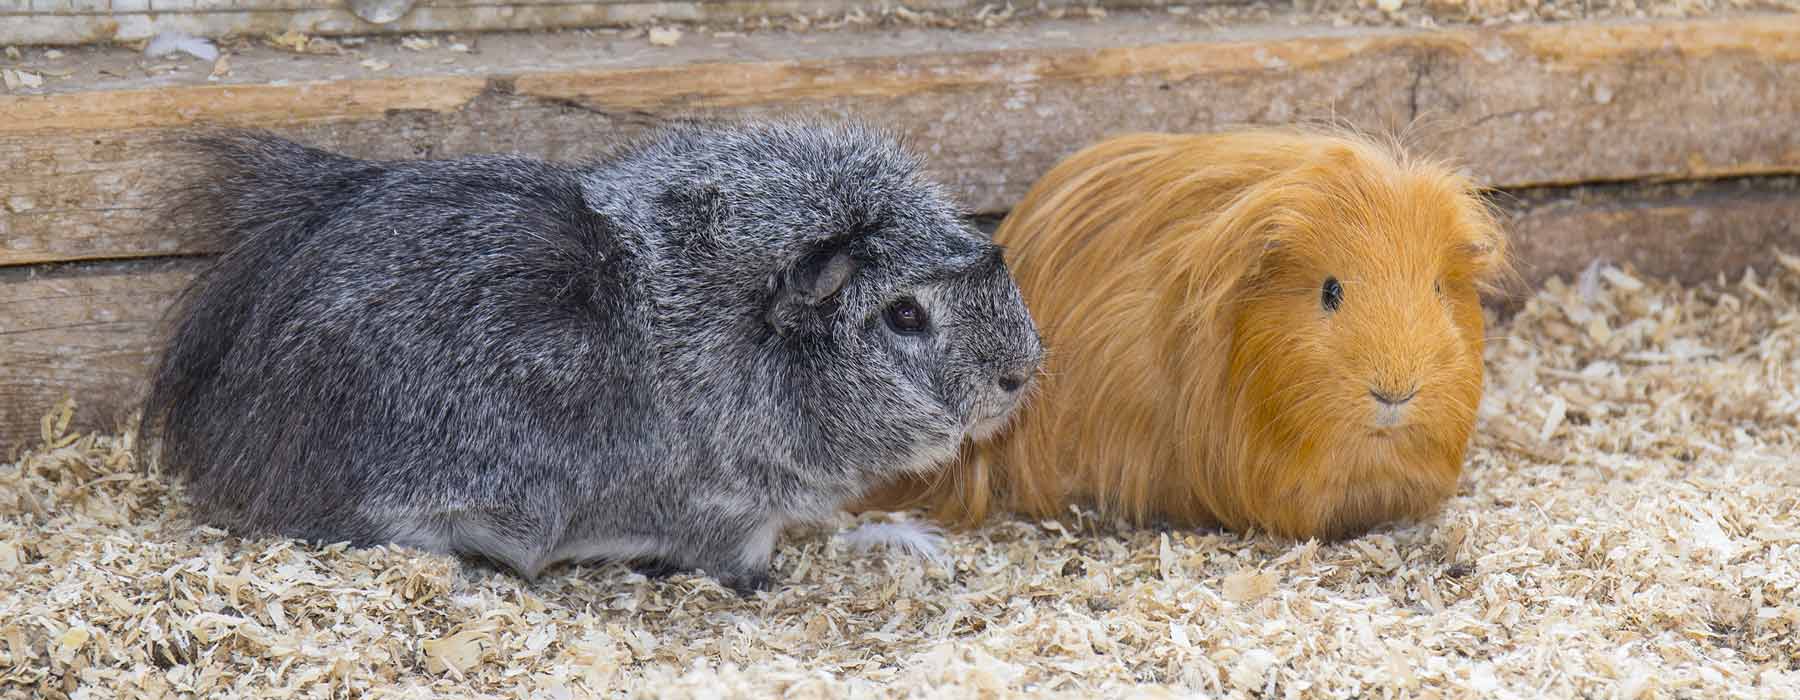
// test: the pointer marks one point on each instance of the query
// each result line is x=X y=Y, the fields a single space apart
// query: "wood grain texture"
x=1692 y=232
x=1525 y=106
x=67 y=22
x=88 y=330
x=83 y=331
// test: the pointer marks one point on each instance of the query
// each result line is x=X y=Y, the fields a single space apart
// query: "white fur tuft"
x=923 y=541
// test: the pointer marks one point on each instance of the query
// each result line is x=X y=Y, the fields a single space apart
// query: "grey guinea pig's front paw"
x=746 y=584
x=475 y=567
x=743 y=583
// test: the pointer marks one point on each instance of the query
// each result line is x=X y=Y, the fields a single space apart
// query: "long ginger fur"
x=1195 y=375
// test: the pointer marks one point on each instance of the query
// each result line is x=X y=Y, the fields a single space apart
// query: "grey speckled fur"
x=648 y=358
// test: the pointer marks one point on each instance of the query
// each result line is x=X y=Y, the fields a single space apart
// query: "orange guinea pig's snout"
x=1391 y=404
x=1405 y=357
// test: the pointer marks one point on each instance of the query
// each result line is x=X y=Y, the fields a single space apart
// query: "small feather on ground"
x=906 y=537
x=171 y=42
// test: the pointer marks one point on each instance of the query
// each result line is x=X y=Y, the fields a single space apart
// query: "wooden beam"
x=84 y=331
x=1524 y=106
x=88 y=330
x=1692 y=232
x=88 y=21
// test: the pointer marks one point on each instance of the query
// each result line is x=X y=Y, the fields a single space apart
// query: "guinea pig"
x=1277 y=329
x=662 y=358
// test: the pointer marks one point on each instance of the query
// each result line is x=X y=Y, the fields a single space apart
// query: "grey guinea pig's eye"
x=906 y=316
x=1332 y=296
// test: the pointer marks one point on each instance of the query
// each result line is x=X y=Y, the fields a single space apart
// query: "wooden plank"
x=90 y=21
x=85 y=331
x=88 y=329
x=1692 y=232
x=1522 y=107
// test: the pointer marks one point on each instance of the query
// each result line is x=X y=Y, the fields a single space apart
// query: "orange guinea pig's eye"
x=1332 y=296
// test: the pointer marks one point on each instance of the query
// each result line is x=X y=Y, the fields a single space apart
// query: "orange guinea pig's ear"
x=1251 y=232
x=1262 y=258
x=1211 y=267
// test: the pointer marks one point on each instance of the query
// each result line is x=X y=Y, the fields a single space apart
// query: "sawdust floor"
x=1627 y=527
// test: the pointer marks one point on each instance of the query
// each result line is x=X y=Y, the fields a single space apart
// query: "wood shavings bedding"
x=1627 y=527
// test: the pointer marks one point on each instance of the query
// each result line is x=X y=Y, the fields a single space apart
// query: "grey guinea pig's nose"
x=1392 y=399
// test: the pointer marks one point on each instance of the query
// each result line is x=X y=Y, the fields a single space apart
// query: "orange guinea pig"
x=1278 y=329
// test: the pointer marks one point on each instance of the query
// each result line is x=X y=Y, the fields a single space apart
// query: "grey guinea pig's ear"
x=812 y=280
x=691 y=208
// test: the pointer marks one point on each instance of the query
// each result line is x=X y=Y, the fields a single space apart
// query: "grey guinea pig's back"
x=388 y=341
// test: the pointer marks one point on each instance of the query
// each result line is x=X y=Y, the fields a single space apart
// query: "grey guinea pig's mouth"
x=995 y=420
x=986 y=427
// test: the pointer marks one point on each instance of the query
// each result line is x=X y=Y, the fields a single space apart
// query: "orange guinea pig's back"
x=1268 y=328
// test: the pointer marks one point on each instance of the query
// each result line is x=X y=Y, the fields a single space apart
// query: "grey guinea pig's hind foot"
x=475 y=567
x=744 y=584
x=654 y=569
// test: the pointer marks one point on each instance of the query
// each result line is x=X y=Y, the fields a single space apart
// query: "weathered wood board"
x=1694 y=232
x=65 y=22
x=88 y=330
x=83 y=331
x=1525 y=106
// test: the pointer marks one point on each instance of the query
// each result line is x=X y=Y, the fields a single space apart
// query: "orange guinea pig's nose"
x=1392 y=398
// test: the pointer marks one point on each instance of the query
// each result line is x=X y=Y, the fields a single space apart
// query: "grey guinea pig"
x=662 y=358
